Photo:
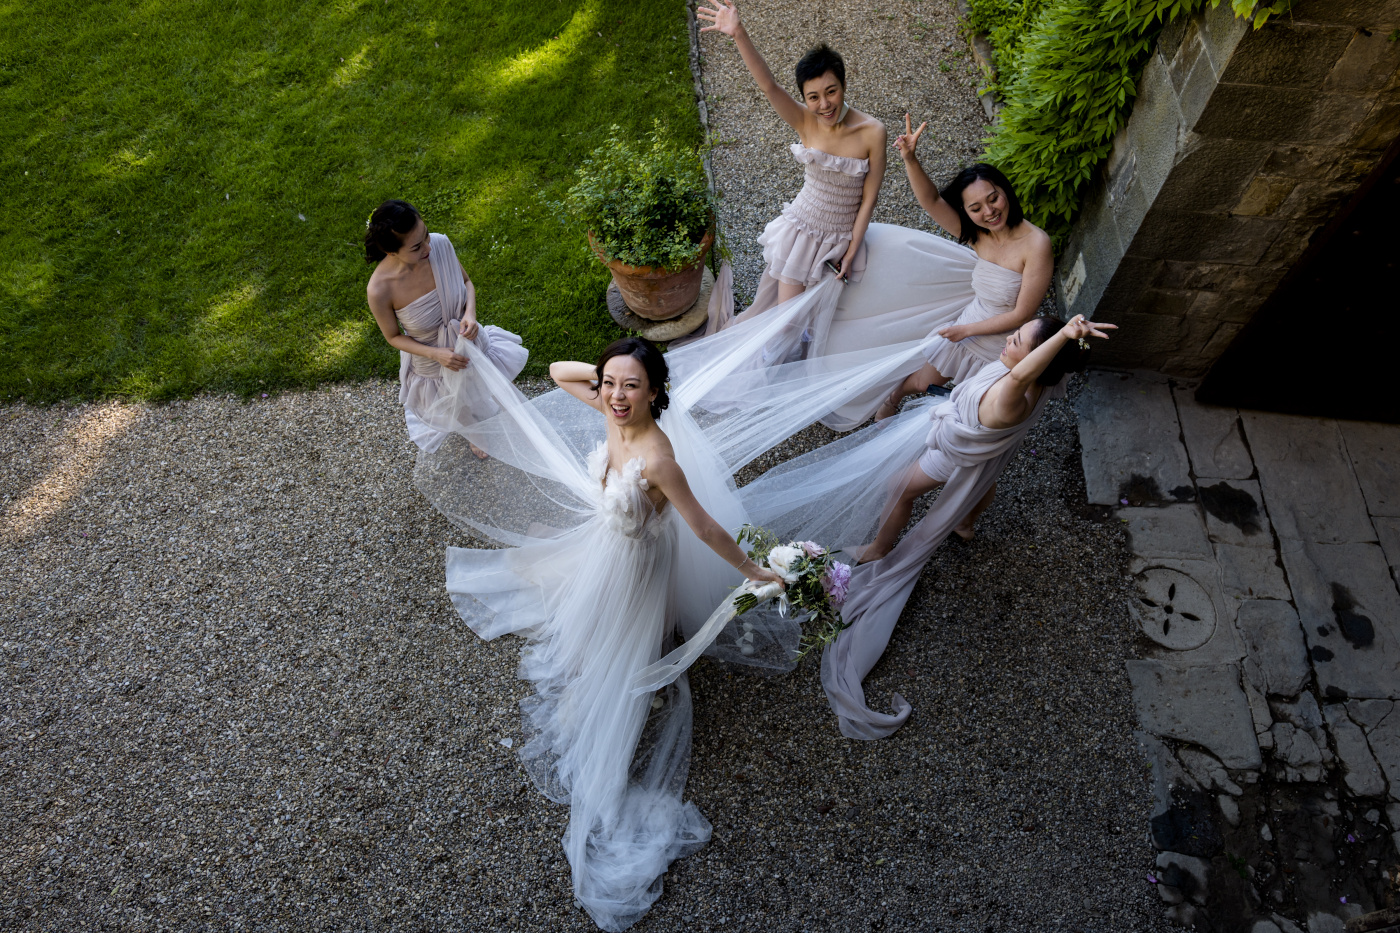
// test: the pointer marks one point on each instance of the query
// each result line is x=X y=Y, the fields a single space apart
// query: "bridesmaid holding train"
x=423 y=300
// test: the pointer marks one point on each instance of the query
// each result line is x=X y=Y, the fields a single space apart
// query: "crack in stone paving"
x=1275 y=761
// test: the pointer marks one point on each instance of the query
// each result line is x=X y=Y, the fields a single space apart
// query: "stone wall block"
x=1379 y=129
x=1221 y=33
x=1277 y=114
x=1264 y=195
x=1176 y=304
x=1292 y=240
x=1277 y=661
x=1203 y=275
x=1284 y=54
x=1212 y=177
x=1189 y=364
x=1188 y=236
x=1223 y=336
x=1180 y=58
x=1259 y=280
x=1311 y=162
x=1227 y=306
x=1197 y=86
x=1346 y=12
x=1153 y=132
x=1154 y=338
x=1096 y=243
x=1368 y=64
x=1314 y=202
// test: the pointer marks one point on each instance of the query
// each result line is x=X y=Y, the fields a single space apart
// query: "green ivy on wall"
x=1067 y=75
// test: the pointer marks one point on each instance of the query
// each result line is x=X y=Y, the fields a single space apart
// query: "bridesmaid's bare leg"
x=788 y=291
x=916 y=483
x=913 y=384
x=964 y=528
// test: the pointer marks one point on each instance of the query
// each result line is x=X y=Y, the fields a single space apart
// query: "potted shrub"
x=649 y=218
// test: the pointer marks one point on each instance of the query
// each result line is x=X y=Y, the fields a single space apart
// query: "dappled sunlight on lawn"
x=548 y=60
x=200 y=174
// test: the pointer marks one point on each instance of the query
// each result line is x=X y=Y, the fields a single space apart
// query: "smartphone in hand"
x=836 y=270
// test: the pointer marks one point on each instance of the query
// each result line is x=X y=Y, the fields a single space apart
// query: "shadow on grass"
x=188 y=182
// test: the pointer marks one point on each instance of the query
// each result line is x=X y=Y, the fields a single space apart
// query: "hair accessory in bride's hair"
x=369 y=220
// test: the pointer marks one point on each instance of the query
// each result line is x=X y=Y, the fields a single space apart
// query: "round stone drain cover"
x=1174 y=610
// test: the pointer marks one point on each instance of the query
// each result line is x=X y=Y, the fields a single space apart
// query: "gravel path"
x=233 y=695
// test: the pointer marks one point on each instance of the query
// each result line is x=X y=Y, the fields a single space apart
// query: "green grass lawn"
x=185 y=184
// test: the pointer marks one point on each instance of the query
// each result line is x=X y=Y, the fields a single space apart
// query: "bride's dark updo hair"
x=818 y=62
x=953 y=194
x=1072 y=358
x=653 y=361
x=388 y=225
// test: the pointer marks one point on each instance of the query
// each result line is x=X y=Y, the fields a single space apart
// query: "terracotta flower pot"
x=653 y=292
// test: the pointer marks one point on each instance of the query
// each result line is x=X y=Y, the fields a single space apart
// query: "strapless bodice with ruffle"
x=623 y=500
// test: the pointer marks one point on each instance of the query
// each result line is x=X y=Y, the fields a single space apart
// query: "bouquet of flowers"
x=816 y=584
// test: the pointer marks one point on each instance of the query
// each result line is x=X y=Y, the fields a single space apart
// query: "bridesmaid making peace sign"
x=843 y=151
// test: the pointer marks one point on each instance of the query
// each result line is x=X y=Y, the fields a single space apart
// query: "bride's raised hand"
x=1080 y=327
x=907 y=141
x=724 y=18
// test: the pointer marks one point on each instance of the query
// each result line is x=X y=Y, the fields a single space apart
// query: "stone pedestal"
x=662 y=331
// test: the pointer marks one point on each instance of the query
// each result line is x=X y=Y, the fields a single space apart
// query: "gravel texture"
x=895 y=51
x=233 y=696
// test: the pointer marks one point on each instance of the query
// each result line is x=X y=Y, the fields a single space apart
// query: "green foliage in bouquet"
x=818 y=591
x=644 y=205
x=1067 y=74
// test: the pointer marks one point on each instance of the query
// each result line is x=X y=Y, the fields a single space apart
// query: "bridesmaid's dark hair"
x=652 y=361
x=1072 y=358
x=387 y=226
x=818 y=62
x=953 y=192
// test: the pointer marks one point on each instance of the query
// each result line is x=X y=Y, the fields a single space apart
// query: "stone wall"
x=1241 y=145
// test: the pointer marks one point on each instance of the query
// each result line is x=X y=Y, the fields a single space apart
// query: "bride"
x=597 y=603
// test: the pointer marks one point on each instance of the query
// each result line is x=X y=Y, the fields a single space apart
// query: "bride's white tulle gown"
x=600 y=584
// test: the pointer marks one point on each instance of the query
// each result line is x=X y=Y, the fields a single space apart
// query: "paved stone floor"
x=1265 y=549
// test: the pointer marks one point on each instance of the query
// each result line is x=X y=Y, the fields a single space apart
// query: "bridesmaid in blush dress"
x=423 y=301
x=1014 y=262
x=843 y=154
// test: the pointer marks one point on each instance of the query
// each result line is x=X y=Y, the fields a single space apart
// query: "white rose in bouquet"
x=781 y=560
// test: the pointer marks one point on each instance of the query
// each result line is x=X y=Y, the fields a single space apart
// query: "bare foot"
x=480 y=454
x=890 y=406
x=867 y=554
x=965 y=532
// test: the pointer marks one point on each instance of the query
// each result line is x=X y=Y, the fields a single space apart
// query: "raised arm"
x=1005 y=403
x=724 y=18
x=924 y=189
x=665 y=474
x=579 y=380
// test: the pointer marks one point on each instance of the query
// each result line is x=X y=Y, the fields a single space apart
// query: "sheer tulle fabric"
x=432 y=320
x=996 y=289
x=840 y=493
x=914 y=284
